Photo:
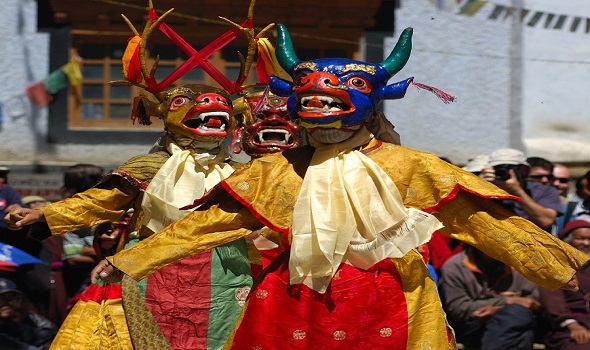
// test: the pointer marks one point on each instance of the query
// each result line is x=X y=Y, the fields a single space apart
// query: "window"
x=99 y=105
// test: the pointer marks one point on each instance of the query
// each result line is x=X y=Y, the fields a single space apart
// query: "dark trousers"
x=512 y=327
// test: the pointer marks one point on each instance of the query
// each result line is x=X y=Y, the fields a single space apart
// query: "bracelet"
x=567 y=322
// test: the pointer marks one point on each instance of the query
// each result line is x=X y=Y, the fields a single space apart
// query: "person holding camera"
x=508 y=169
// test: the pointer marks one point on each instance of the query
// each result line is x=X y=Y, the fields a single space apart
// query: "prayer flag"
x=471 y=7
x=38 y=94
x=72 y=71
x=55 y=82
x=14 y=106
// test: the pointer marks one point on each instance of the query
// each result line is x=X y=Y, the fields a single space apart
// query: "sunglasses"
x=562 y=180
x=550 y=178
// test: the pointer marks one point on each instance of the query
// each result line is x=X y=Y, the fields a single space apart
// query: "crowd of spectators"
x=491 y=306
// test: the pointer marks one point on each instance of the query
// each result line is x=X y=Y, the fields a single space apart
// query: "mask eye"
x=299 y=80
x=275 y=101
x=178 y=102
x=359 y=83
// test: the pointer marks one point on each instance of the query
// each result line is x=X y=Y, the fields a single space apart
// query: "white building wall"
x=535 y=102
x=556 y=77
x=24 y=60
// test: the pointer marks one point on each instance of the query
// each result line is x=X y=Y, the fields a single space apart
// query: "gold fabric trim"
x=360 y=68
x=308 y=65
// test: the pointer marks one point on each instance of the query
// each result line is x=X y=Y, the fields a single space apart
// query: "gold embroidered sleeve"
x=89 y=208
x=204 y=229
x=486 y=225
x=425 y=181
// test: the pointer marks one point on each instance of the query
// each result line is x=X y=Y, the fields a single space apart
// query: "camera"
x=502 y=171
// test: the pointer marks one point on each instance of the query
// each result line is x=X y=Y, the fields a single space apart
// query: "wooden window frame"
x=76 y=99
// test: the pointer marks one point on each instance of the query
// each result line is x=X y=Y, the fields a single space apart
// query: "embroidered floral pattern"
x=339 y=335
x=243 y=186
x=299 y=334
x=385 y=332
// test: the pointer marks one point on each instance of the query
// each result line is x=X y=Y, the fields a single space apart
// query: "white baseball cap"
x=507 y=156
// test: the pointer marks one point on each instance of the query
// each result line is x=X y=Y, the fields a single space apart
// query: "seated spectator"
x=577 y=209
x=582 y=187
x=571 y=201
x=509 y=170
x=489 y=305
x=45 y=285
x=566 y=312
x=20 y=328
x=541 y=171
x=441 y=248
x=562 y=180
x=9 y=197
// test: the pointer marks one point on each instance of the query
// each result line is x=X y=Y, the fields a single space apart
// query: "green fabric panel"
x=141 y=285
x=230 y=276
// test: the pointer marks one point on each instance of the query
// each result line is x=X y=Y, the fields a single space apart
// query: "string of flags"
x=41 y=92
x=530 y=17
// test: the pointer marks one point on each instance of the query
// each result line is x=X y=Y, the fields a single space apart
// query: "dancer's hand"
x=108 y=235
x=19 y=217
x=106 y=272
x=572 y=285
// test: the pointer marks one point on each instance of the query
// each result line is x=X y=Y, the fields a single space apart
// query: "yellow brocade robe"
x=265 y=191
x=92 y=324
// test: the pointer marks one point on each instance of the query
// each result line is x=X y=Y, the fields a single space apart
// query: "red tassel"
x=444 y=96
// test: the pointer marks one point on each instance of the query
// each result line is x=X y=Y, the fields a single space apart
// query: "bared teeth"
x=274 y=135
x=321 y=103
x=209 y=121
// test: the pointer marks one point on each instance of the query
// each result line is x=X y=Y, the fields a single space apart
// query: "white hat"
x=32 y=199
x=507 y=156
x=476 y=163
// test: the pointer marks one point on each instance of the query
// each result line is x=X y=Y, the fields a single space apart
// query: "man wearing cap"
x=9 y=197
x=507 y=168
x=20 y=328
x=567 y=312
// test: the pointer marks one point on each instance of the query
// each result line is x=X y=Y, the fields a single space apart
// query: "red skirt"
x=362 y=309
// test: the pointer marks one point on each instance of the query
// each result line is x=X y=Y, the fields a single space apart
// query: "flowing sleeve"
x=105 y=203
x=208 y=227
x=501 y=234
